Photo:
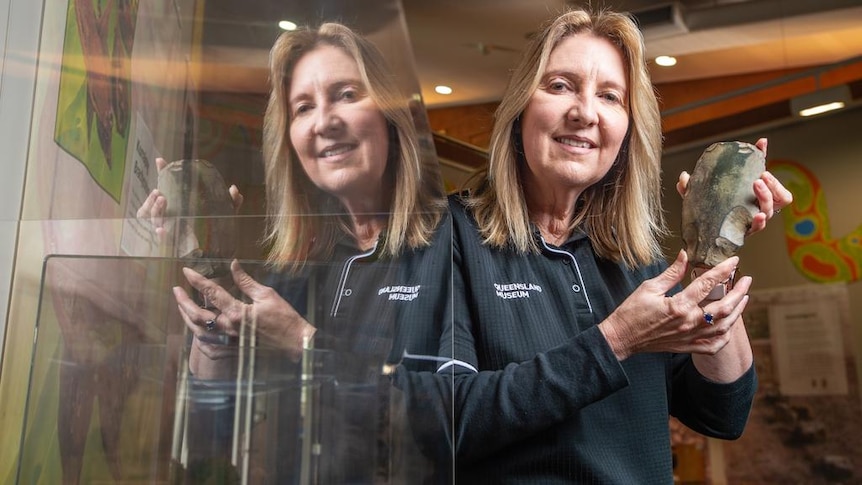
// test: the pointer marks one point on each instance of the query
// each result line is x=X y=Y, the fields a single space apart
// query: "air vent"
x=661 y=21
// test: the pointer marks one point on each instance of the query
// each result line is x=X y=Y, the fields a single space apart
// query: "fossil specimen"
x=719 y=202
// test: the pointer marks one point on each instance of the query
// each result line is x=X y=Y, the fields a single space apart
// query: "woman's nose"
x=583 y=110
x=327 y=121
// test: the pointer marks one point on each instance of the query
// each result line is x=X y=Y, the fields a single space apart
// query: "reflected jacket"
x=374 y=312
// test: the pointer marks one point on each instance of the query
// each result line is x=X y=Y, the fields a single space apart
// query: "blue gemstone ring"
x=708 y=318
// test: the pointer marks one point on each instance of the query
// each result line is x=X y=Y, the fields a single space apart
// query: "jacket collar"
x=578 y=234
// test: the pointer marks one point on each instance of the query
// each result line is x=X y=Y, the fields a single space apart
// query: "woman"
x=355 y=226
x=573 y=341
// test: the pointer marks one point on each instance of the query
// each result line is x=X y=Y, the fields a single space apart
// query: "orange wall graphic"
x=814 y=251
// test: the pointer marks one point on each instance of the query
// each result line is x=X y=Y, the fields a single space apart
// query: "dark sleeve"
x=421 y=395
x=423 y=400
x=426 y=400
x=495 y=409
x=718 y=410
x=428 y=409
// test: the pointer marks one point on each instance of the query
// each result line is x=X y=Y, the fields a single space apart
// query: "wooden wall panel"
x=470 y=124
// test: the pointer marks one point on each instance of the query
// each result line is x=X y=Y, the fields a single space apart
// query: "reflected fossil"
x=200 y=215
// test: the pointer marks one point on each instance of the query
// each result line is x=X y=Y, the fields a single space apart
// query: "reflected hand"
x=205 y=341
x=649 y=321
x=155 y=205
x=275 y=319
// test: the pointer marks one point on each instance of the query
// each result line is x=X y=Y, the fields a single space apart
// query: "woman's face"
x=336 y=129
x=576 y=120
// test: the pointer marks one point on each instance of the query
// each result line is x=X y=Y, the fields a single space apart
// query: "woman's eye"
x=557 y=86
x=349 y=95
x=612 y=97
x=300 y=109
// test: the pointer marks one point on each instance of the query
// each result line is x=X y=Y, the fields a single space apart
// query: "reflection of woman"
x=573 y=341
x=353 y=221
x=340 y=146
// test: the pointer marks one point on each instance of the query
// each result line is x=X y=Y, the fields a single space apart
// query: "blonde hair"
x=622 y=211
x=417 y=199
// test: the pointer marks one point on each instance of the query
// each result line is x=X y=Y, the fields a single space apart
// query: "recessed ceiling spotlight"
x=443 y=89
x=287 y=25
x=665 y=61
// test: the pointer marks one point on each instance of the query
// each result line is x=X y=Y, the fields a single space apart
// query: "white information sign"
x=808 y=347
x=138 y=238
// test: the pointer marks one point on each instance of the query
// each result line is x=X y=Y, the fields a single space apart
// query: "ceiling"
x=470 y=45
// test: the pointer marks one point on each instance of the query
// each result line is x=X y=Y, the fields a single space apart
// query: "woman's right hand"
x=649 y=321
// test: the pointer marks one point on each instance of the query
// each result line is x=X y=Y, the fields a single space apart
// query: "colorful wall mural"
x=814 y=251
x=93 y=112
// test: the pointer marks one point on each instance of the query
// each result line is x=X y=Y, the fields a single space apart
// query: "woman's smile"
x=334 y=151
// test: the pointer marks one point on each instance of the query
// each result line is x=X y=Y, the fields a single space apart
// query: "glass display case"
x=316 y=364
x=111 y=397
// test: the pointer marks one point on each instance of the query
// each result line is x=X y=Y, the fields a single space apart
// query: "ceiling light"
x=821 y=101
x=822 y=108
x=287 y=25
x=443 y=89
x=665 y=61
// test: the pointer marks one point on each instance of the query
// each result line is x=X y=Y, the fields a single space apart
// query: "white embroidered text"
x=403 y=293
x=516 y=290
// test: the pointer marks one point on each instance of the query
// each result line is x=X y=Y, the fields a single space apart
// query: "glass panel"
x=125 y=381
x=111 y=380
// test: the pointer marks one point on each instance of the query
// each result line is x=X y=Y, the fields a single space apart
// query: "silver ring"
x=210 y=325
x=708 y=318
x=776 y=212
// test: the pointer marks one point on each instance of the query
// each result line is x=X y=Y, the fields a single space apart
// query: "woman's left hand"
x=772 y=196
x=274 y=318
